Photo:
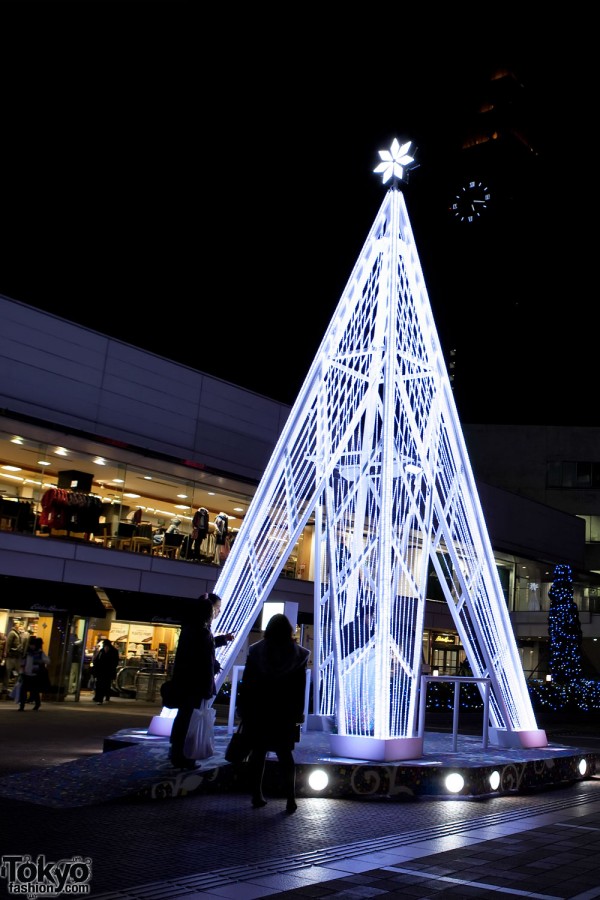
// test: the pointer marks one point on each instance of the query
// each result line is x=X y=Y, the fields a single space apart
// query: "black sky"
x=202 y=188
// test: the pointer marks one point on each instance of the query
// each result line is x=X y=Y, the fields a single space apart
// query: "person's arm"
x=222 y=639
x=205 y=666
x=247 y=689
x=298 y=692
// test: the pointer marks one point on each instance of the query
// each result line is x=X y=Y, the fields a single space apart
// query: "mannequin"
x=221 y=538
x=199 y=530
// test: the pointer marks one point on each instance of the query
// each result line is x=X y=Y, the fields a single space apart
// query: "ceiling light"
x=15 y=478
x=118 y=481
x=238 y=509
x=211 y=493
x=100 y=461
x=132 y=496
x=16 y=440
x=147 y=477
x=61 y=451
x=44 y=462
x=182 y=496
x=11 y=468
x=181 y=506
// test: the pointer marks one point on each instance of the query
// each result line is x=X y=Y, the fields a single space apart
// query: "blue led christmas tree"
x=564 y=628
x=373 y=455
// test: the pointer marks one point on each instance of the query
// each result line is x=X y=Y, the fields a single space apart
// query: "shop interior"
x=87 y=492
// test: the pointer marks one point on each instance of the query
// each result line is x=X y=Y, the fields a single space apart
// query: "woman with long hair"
x=271 y=705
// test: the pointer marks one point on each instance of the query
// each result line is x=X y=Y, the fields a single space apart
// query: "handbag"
x=200 y=738
x=238 y=749
x=43 y=677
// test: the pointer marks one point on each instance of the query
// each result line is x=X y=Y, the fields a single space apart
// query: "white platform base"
x=518 y=740
x=376 y=749
x=162 y=725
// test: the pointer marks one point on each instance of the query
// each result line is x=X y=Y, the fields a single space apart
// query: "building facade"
x=106 y=450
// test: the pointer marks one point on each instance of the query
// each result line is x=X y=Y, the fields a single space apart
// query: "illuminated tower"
x=374 y=450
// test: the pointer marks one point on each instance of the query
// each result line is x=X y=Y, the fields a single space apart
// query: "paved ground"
x=543 y=845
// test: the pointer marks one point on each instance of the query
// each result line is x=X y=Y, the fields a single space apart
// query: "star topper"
x=394 y=161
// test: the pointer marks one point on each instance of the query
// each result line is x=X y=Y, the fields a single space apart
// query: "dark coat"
x=271 y=695
x=195 y=664
x=106 y=663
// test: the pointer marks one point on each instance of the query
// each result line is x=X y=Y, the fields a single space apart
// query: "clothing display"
x=221 y=537
x=67 y=512
x=199 y=532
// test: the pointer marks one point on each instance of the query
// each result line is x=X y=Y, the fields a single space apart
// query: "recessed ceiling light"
x=16 y=440
x=118 y=481
x=147 y=477
x=61 y=451
x=44 y=462
x=182 y=496
x=211 y=493
x=11 y=468
x=100 y=461
x=181 y=506
x=132 y=496
x=238 y=509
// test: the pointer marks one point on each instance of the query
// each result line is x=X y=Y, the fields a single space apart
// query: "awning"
x=42 y=596
x=135 y=606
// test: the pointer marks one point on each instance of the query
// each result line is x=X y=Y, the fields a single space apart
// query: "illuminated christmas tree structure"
x=564 y=628
x=373 y=452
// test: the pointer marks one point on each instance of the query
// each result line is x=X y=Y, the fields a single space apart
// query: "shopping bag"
x=238 y=749
x=15 y=694
x=200 y=738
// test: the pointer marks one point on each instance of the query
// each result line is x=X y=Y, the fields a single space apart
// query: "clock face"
x=471 y=202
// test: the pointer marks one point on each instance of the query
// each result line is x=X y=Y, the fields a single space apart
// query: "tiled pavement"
x=541 y=845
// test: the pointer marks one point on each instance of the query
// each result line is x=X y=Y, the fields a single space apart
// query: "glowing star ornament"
x=394 y=161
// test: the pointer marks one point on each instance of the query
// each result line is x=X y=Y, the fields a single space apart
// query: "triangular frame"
x=373 y=449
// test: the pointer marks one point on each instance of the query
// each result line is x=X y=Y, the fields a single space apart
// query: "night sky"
x=202 y=190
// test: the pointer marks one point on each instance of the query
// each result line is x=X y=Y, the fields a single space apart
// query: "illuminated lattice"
x=374 y=450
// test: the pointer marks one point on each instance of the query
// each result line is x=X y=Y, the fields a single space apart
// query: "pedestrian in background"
x=3 y=671
x=34 y=674
x=106 y=663
x=14 y=653
x=271 y=705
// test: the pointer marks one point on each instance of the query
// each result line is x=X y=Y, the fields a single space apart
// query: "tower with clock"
x=495 y=152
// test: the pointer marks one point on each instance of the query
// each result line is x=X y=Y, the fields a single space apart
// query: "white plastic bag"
x=200 y=738
x=15 y=694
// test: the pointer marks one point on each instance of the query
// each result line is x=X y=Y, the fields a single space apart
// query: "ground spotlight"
x=318 y=780
x=454 y=783
x=495 y=780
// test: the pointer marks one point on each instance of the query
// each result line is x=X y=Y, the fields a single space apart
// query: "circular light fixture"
x=318 y=780
x=454 y=783
x=495 y=780
x=582 y=766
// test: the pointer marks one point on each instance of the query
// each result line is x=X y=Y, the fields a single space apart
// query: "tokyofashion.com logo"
x=28 y=877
